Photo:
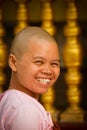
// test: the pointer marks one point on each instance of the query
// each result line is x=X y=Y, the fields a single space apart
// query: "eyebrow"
x=39 y=57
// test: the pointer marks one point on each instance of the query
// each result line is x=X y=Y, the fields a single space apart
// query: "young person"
x=35 y=66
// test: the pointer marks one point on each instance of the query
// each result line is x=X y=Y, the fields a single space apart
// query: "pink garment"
x=19 y=111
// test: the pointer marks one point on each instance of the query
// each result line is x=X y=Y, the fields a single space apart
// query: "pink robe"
x=19 y=111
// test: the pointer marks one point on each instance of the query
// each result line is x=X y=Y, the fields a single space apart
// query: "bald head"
x=24 y=38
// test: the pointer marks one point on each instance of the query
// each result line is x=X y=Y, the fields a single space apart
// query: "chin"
x=45 y=91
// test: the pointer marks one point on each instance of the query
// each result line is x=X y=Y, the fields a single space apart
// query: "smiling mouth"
x=44 y=81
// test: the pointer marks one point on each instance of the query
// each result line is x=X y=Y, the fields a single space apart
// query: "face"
x=38 y=68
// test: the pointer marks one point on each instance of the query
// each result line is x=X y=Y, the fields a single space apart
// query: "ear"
x=12 y=62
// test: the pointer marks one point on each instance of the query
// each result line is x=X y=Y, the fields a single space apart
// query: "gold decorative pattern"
x=47 y=17
x=22 y=15
x=3 y=54
x=72 y=55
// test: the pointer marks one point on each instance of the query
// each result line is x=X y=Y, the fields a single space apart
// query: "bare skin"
x=34 y=61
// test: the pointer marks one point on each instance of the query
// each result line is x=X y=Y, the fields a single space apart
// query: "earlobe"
x=12 y=62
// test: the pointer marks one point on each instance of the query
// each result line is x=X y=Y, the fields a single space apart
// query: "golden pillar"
x=22 y=15
x=47 y=24
x=3 y=52
x=72 y=55
x=47 y=16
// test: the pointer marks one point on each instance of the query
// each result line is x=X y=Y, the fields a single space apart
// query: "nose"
x=47 y=70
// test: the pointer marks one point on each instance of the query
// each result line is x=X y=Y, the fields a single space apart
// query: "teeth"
x=43 y=80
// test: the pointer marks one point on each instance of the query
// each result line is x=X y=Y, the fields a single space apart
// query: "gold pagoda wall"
x=9 y=10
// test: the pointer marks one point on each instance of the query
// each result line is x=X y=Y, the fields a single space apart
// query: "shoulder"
x=18 y=101
x=22 y=110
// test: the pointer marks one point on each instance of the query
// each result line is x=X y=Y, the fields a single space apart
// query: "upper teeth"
x=43 y=80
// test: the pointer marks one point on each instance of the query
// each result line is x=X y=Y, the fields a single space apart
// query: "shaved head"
x=34 y=60
x=24 y=38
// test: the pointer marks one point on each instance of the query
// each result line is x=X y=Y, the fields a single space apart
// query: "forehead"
x=43 y=47
x=43 y=43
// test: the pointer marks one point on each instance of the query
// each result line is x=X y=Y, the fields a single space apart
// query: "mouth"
x=44 y=80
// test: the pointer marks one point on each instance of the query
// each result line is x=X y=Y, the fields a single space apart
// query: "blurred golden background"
x=66 y=20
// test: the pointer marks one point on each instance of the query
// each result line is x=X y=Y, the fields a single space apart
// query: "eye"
x=38 y=62
x=55 y=64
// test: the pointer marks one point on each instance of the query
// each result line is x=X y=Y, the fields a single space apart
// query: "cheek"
x=26 y=72
x=23 y=77
x=22 y=71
